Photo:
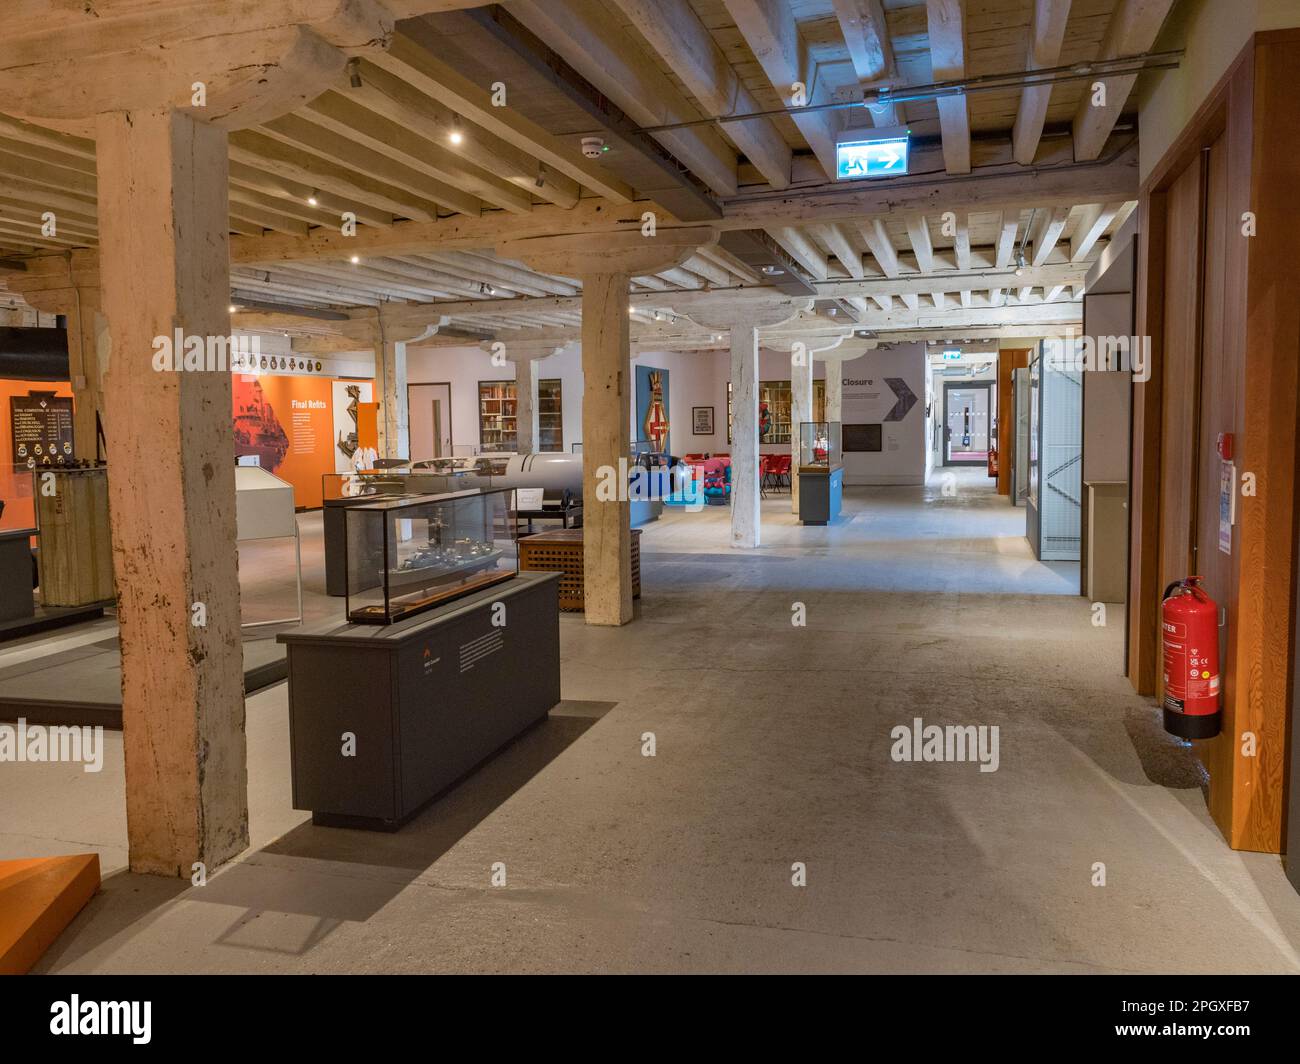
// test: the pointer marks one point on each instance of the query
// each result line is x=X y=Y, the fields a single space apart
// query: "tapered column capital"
x=63 y=64
x=626 y=252
x=754 y=313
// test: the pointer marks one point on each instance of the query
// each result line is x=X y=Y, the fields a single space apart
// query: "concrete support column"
x=606 y=266
x=526 y=425
x=746 y=519
x=165 y=266
x=801 y=410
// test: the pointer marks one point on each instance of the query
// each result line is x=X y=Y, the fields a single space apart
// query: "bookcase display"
x=550 y=415
x=407 y=554
x=775 y=403
x=498 y=403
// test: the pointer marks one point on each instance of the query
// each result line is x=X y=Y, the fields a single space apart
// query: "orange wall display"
x=290 y=423
x=16 y=479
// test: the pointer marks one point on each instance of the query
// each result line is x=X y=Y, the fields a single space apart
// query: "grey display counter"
x=820 y=493
x=16 y=600
x=424 y=700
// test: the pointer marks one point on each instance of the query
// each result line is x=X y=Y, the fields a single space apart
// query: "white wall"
x=867 y=399
x=464 y=367
x=1213 y=33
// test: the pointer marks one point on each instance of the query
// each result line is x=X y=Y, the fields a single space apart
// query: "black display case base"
x=383 y=720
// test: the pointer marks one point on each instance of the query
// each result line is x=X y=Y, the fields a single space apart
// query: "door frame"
x=966 y=386
x=451 y=436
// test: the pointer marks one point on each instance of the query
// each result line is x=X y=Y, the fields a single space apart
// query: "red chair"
x=779 y=467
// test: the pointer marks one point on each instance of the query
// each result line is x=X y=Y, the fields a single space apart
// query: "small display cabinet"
x=409 y=554
x=550 y=415
x=497 y=410
x=821 y=472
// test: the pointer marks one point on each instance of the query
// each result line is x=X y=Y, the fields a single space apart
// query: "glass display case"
x=550 y=415
x=405 y=555
x=819 y=446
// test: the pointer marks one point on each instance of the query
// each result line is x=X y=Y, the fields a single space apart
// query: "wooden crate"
x=76 y=554
x=560 y=551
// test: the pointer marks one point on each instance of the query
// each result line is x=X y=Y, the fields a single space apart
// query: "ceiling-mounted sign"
x=871 y=153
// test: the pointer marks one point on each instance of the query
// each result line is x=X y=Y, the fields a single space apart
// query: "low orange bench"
x=39 y=896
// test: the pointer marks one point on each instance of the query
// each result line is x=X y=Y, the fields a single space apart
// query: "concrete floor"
x=773 y=747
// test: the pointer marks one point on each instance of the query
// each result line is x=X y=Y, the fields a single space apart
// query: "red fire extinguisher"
x=1190 y=626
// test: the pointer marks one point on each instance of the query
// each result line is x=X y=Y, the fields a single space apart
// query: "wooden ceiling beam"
x=1094 y=219
x=303 y=132
x=1046 y=33
x=285 y=160
x=961 y=243
x=436 y=160
x=866 y=34
x=414 y=64
x=918 y=233
x=383 y=94
x=285 y=184
x=882 y=248
x=675 y=31
x=606 y=56
x=842 y=248
x=1046 y=232
x=1132 y=30
x=1008 y=228
x=770 y=30
x=945 y=24
x=995 y=189
x=800 y=248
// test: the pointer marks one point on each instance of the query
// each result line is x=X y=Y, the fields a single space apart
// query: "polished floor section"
x=772 y=749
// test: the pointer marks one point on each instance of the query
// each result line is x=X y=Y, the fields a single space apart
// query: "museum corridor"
x=772 y=746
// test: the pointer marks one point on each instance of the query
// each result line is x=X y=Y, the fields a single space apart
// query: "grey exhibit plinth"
x=425 y=700
x=820 y=494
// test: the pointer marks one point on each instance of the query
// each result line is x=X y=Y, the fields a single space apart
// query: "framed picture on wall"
x=702 y=420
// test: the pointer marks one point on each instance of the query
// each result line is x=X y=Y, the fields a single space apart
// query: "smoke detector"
x=594 y=147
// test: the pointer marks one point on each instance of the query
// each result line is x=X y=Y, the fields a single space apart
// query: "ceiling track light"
x=312 y=200
x=354 y=72
x=456 y=136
